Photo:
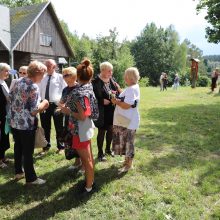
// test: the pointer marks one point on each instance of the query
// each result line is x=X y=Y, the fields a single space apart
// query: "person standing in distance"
x=51 y=88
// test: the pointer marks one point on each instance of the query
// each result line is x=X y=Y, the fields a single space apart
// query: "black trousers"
x=102 y=134
x=4 y=139
x=45 y=118
x=23 y=153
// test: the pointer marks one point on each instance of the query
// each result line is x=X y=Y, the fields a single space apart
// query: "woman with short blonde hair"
x=126 y=118
x=132 y=74
x=104 y=87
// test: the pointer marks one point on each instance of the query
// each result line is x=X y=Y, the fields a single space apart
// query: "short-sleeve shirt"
x=130 y=94
x=24 y=98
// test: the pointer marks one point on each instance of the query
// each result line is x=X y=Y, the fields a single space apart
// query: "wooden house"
x=32 y=33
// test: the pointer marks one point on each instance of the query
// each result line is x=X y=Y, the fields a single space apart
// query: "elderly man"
x=51 y=88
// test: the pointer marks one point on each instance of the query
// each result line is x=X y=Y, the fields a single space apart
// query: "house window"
x=45 y=40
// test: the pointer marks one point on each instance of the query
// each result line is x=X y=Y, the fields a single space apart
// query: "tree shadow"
x=18 y=190
x=70 y=198
x=8 y=172
x=182 y=137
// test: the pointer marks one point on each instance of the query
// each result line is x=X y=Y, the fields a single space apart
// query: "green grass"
x=176 y=169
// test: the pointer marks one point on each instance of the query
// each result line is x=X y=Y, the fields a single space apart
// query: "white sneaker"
x=38 y=181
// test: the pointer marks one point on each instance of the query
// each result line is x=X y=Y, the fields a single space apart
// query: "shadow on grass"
x=69 y=199
x=56 y=179
x=183 y=137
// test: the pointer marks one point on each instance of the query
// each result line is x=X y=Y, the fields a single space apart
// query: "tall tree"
x=82 y=46
x=213 y=17
x=155 y=51
x=108 y=48
x=19 y=3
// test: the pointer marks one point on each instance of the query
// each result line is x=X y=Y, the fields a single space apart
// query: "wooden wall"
x=4 y=56
x=46 y=25
x=21 y=59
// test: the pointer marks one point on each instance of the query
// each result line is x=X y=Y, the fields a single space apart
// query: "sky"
x=95 y=17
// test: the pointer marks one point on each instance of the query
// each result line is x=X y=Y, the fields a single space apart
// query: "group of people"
x=77 y=101
x=164 y=81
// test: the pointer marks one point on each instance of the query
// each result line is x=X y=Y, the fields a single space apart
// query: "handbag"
x=69 y=151
x=121 y=120
x=86 y=129
x=40 y=140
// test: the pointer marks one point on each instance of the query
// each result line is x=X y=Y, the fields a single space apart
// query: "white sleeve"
x=130 y=96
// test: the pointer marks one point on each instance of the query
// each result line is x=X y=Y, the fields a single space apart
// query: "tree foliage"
x=103 y=48
x=154 y=51
x=108 y=48
x=158 y=50
x=19 y=3
x=213 y=18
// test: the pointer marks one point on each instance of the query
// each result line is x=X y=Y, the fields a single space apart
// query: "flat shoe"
x=124 y=169
x=38 y=181
x=19 y=176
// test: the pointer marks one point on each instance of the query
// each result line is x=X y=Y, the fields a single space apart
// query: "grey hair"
x=105 y=65
x=133 y=74
x=4 y=66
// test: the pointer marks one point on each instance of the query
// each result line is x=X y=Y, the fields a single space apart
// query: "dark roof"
x=21 y=20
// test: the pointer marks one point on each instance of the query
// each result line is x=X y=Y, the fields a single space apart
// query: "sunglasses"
x=66 y=75
x=22 y=73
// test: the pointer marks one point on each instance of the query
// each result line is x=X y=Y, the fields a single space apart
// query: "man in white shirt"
x=51 y=88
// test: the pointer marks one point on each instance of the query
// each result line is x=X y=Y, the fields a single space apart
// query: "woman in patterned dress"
x=126 y=118
x=81 y=106
x=25 y=103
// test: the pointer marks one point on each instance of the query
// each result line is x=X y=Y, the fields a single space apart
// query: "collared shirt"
x=24 y=99
x=57 y=84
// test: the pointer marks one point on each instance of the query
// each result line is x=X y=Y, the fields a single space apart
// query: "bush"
x=144 y=82
x=203 y=81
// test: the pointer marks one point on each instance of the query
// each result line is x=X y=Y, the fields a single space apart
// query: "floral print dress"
x=24 y=98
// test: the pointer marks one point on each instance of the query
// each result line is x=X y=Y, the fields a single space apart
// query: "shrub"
x=203 y=81
x=144 y=82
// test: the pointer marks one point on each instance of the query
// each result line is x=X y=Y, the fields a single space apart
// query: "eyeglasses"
x=22 y=73
x=66 y=75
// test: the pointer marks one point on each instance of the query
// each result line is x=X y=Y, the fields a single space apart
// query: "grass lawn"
x=176 y=171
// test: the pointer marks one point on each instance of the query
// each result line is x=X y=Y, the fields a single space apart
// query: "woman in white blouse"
x=126 y=118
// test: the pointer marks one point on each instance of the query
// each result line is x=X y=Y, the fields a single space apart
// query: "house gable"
x=46 y=27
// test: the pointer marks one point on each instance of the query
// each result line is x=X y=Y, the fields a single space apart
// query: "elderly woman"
x=126 y=118
x=21 y=73
x=4 y=93
x=24 y=106
x=70 y=77
x=82 y=108
x=104 y=86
